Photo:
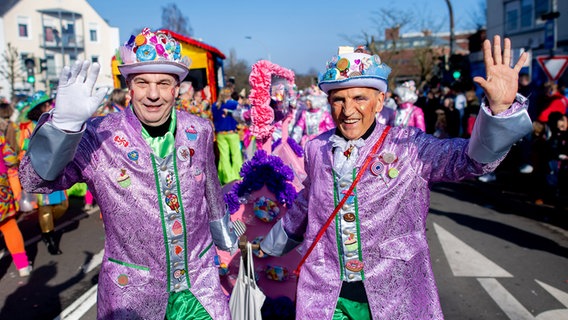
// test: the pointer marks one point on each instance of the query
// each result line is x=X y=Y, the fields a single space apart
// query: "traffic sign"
x=549 y=38
x=553 y=66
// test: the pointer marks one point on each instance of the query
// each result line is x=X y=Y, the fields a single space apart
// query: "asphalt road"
x=495 y=255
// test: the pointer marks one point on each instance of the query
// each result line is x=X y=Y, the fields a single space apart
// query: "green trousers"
x=230 y=157
x=183 y=305
x=351 y=310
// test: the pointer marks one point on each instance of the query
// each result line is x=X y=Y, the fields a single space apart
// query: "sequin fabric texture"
x=392 y=205
x=155 y=211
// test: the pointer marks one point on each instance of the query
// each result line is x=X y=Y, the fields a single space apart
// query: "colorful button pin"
x=393 y=173
x=389 y=157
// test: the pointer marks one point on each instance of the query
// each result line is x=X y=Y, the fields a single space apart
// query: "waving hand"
x=75 y=101
x=501 y=84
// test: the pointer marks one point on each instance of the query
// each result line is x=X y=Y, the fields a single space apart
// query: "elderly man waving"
x=152 y=171
x=369 y=257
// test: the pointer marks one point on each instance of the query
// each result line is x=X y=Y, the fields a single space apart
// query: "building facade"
x=421 y=56
x=539 y=27
x=50 y=34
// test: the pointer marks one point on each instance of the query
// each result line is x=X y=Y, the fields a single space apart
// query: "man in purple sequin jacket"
x=373 y=261
x=152 y=171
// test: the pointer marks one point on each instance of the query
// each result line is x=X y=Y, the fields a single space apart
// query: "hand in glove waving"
x=75 y=102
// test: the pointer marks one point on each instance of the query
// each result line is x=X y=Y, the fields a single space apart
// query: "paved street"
x=495 y=255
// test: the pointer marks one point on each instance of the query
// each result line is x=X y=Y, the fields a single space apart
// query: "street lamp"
x=262 y=44
x=452 y=36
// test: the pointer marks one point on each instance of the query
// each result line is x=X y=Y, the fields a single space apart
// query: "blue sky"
x=299 y=35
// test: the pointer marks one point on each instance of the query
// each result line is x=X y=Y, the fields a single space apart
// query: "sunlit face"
x=309 y=104
x=353 y=110
x=153 y=96
x=562 y=123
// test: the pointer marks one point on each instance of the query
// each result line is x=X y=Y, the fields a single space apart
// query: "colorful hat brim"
x=42 y=101
x=158 y=66
x=360 y=81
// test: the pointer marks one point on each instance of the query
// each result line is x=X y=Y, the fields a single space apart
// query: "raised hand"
x=501 y=84
x=75 y=102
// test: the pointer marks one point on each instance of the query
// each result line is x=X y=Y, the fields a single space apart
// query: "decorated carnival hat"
x=150 y=52
x=38 y=98
x=406 y=92
x=354 y=68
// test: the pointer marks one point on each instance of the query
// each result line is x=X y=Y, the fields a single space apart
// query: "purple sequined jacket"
x=161 y=216
x=390 y=214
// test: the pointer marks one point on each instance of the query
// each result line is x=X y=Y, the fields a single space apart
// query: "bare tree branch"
x=10 y=67
x=174 y=20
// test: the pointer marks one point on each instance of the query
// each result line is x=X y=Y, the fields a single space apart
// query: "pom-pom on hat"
x=354 y=68
x=150 y=52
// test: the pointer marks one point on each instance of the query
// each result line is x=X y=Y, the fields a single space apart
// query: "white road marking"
x=80 y=306
x=560 y=295
x=94 y=262
x=466 y=261
x=85 y=302
x=511 y=306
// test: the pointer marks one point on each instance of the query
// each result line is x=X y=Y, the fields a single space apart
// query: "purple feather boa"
x=263 y=169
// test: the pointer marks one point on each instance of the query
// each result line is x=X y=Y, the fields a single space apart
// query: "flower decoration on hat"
x=355 y=68
x=152 y=52
x=263 y=169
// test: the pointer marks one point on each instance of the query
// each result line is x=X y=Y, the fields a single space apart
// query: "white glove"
x=75 y=102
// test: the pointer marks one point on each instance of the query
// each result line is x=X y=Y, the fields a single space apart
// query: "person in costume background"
x=51 y=205
x=407 y=114
x=10 y=130
x=228 y=140
x=158 y=259
x=374 y=262
x=185 y=97
x=315 y=119
x=201 y=103
x=116 y=102
x=8 y=209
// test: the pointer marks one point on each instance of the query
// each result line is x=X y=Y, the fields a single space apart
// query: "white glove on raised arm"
x=75 y=102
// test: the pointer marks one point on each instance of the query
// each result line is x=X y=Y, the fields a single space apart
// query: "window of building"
x=94 y=59
x=512 y=16
x=93 y=34
x=51 y=71
x=23 y=30
x=48 y=34
x=526 y=13
x=541 y=7
x=23 y=27
x=68 y=33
